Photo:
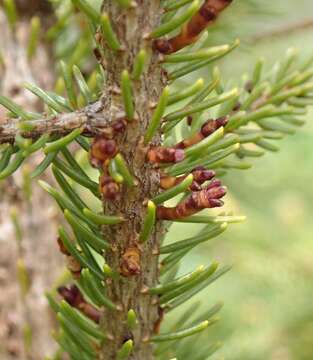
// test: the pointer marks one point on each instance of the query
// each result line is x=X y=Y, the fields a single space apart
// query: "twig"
x=282 y=31
x=91 y=119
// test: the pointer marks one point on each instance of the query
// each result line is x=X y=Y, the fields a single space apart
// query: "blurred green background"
x=268 y=307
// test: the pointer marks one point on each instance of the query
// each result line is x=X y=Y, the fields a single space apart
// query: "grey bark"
x=37 y=218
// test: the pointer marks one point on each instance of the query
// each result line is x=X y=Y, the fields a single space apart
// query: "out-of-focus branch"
x=282 y=31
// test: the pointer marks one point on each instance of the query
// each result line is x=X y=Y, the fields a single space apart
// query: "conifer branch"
x=147 y=149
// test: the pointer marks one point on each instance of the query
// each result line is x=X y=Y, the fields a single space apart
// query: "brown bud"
x=207 y=13
x=213 y=184
x=202 y=175
x=74 y=297
x=195 y=186
x=119 y=126
x=163 y=46
x=197 y=201
x=101 y=150
x=216 y=192
x=109 y=188
x=211 y=126
x=165 y=155
x=214 y=203
x=190 y=32
x=130 y=262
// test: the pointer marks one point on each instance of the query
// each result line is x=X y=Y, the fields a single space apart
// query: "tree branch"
x=282 y=31
x=91 y=119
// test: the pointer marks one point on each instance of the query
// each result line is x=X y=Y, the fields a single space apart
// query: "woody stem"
x=136 y=263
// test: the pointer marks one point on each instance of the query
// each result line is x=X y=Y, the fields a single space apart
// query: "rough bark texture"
x=91 y=119
x=38 y=248
x=136 y=262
